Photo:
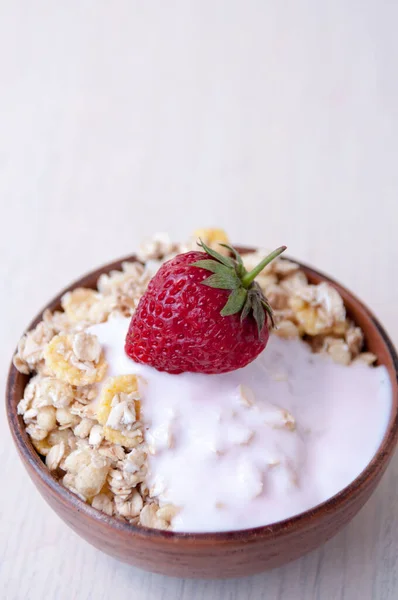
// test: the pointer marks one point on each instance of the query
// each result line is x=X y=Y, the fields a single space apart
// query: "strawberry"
x=190 y=321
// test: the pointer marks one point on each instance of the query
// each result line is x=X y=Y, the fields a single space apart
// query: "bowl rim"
x=300 y=521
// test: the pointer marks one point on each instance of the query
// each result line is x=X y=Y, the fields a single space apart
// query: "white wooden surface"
x=276 y=120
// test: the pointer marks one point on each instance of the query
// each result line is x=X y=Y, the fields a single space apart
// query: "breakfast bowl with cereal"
x=204 y=411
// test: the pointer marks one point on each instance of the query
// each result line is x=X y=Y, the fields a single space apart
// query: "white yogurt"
x=260 y=444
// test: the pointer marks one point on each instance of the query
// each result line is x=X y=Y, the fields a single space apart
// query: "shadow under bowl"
x=213 y=555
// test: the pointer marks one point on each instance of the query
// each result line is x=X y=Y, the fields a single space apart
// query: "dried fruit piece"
x=116 y=437
x=213 y=237
x=122 y=384
x=85 y=305
x=318 y=309
x=62 y=361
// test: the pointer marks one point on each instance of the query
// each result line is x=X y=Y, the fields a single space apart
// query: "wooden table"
x=276 y=120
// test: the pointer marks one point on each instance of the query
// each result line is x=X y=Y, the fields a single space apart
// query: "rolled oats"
x=112 y=451
x=31 y=348
x=85 y=305
x=354 y=339
x=53 y=391
x=167 y=512
x=86 y=347
x=157 y=247
x=246 y=395
x=96 y=435
x=84 y=411
x=287 y=329
x=280 y=418
x=121 y=483
x=131 y=507
x=135 y=461
x=113 y=388
x=317 y=308
x=340 y=352
x=28 y=397
x=90 y=480
x=266 y=281
x=77 y=460
x=103 y=503
x=65 y=418
x=366 y=358
x=46 y=418
x=123 y=289
x=83 y=429
x=294 y=281
x=277 y=297
x=149 y=517
x=42 y=446
x=62 y=435
x=57 y=321
x=55 y=455
x=85 y=394
x=36 y=433
x=61 y=359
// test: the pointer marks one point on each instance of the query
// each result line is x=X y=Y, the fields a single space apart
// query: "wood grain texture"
x=120 y=120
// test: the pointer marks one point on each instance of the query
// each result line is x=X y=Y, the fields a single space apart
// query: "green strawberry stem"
x=230 y=274
x=248 y=278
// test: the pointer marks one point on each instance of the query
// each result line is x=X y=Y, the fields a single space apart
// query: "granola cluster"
x=96 y=446
x=315 y=313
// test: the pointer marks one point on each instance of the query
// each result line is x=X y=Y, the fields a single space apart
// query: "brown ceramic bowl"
x=214 y=555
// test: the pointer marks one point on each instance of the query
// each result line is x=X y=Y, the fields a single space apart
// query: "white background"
x=275 y=120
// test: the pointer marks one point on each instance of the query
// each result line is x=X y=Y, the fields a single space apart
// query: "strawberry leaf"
x=225 y=260
x=235 y=302
x=246 y=308
x=213 y=266
x=229 y=281
x=236 y=254
x=230 y=274
x=258 y=314
x=269 y=311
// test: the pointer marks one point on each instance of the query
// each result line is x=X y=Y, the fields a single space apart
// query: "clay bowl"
x=214 y=555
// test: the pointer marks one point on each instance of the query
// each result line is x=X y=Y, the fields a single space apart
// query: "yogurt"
x=260 y=444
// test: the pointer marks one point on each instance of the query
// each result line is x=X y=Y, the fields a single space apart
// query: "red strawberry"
x=188 y=321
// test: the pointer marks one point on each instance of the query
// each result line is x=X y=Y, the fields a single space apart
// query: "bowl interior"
x=376 y=341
